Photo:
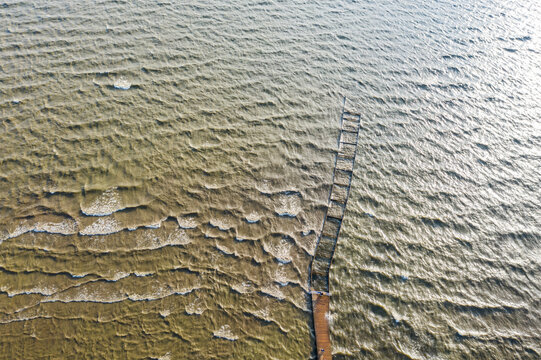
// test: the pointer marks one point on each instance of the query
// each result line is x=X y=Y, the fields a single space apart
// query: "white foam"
x=122 y=83
x=225 y=333
x=85 y=295
x=63 y=227
x=243 y=288
x=102 y=295
x=102 y=226
x=186 y=222
x=178 y=237
x=40 y=290
x=280 y=276
x=167 y=356
x=281 y=251
x=119 y=275
x=19 y=230
x=66 y=227
x=288 y=205
x=195 y=308
x=106 y=204
x=159 y=294
x=149 y=240
x=142 y=274
x=253 y=218
x=220 y=224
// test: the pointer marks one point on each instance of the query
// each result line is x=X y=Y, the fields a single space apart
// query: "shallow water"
x=165 y=169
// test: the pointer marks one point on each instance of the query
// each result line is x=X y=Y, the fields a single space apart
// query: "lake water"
x=165 y=168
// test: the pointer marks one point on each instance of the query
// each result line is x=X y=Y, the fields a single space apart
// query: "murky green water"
x=165 y=167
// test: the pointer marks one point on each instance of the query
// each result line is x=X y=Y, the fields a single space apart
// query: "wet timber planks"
x=328 y=238
x=320 y=303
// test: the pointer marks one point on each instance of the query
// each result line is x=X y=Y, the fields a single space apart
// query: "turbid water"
x=165 y=168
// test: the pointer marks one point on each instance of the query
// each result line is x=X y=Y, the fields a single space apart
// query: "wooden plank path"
x=344 y=163
x=320 y=304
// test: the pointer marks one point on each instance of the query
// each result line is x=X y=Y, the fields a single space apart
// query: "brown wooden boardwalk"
x=326 y=245
x=320 y=304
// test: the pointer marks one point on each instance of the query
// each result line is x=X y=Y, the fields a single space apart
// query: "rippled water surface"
x=165 y=167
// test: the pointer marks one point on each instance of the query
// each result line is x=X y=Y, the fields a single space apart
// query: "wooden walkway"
x=320 y=303
x=344 y=163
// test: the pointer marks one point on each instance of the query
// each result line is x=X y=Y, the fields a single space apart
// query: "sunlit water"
x=165 y=168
